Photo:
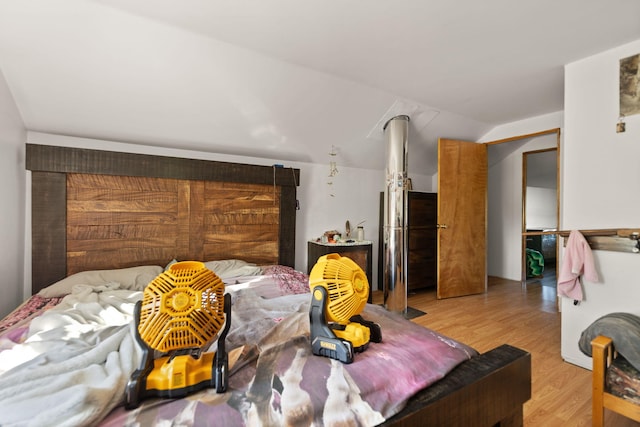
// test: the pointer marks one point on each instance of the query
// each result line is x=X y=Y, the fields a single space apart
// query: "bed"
x=97 y=214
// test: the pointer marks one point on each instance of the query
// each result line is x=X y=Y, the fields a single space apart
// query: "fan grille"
x=346 y=284
x=182 y=307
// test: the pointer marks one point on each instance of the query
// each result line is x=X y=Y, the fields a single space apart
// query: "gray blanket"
x=622 y=328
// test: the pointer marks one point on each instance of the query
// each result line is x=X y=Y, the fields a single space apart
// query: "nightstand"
x=359 y=252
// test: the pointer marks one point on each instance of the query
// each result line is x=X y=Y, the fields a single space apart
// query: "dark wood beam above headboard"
x=45 y=158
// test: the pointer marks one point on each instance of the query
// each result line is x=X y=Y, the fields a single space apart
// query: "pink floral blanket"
x=278 y=381
x=274 y=379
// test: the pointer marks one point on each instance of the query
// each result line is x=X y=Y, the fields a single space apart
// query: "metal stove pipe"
x=395 y=242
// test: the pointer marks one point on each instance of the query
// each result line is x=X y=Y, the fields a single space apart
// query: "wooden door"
x=462 y=218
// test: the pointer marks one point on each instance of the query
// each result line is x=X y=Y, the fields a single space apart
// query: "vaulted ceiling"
x=290 y=79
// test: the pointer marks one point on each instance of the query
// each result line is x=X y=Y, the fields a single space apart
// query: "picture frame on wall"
x=630 y=85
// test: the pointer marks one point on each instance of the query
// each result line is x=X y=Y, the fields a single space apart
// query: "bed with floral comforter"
x=69 y=363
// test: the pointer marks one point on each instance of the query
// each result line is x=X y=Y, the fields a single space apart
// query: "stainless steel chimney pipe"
x=395 y=242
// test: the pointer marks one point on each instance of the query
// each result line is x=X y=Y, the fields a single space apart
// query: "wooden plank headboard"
x=94 y=210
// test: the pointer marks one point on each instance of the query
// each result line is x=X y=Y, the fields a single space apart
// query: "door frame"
x=524 y=234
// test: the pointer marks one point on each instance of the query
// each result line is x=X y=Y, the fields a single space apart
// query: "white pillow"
x=133 y=278
x=233 y=268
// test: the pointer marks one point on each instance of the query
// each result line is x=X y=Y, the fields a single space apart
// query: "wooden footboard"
x=488 y=390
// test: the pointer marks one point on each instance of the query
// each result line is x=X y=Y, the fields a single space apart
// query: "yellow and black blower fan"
x=339 y=292
x=181 y=313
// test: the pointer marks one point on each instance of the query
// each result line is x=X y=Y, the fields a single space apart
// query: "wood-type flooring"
x=524 y=317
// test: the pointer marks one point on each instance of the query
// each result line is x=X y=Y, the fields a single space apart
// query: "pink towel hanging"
x=577 y=261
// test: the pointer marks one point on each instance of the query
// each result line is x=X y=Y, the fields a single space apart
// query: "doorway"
x=499 y=209
x=506 y=222
x=540 y=216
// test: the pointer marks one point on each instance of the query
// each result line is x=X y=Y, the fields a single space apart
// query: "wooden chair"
x=603 y=353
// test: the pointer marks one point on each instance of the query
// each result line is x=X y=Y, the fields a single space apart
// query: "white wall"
x=525 y=127
x=504 y=204
x=12 y=220
x=541 y=210
x=355 y=191
x=601 y=182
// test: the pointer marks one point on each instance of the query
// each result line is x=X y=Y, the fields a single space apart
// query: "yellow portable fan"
x=181 y=313
x=339 y=292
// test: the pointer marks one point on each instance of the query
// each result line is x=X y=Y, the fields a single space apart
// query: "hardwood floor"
x=525 y=317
